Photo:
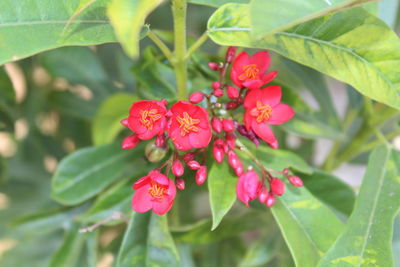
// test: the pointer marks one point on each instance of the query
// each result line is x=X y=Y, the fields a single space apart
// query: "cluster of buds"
x=187 y=125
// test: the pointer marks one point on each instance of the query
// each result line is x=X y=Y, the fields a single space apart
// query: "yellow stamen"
x=250 y=72
x=149 y=117
x=261 y=112
x=187 y=124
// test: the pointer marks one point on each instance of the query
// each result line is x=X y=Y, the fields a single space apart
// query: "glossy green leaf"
x=308 y=226
x=69 y=251
x=92 y=240
x=216 y=3
x=83 y=4
x=147 y=242
x=266 y=20
x=367 y=238
x=363 y=52
x=261 y=252
x=222 y=191
x=86 y=172
x=31 y=26
x=127 y=18
x=396 y=241
x=107 y=122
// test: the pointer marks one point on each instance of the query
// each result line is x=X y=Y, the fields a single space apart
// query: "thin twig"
x=199 y=42
x=162 y=46
x=114 y=216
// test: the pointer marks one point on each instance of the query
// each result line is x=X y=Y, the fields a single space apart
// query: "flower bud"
x=263 y=195
x=216 y=124
x=189 y=156
x=231 y=140
x=233 y=159
x=231 y=105
x=242 y=130
x=177 y=168
x=270 y=200
x=125 y=122
x=230 y=54
x=164 y=102
x=130 y=142
x=277 y=186
x=228 y=125
x=160 y=140
x=295 y=180
x=239 y=169
x=154 y=153
x=219 y=142
x=218 y=92
x=196 y=97
x=232 y=92
x=193 y=165
x=201 y=175
x=218 y=153
x=215 y=85
x=180 y=183
x=285 y=171
x=213 y=66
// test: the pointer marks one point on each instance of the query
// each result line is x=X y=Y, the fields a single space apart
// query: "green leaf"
x=308 y=226
x=367 y=238
x=216 y=3
x=87 y=171
x=92 y=241
x=222 y=191
x=147 y=242
x=70 y=250
x=362 y=53
x=127 y=18
x=330 y=190
x=396 y=241
x=266 y=20
x=29 y=27
x=107 y=122
x=3 y=170
x=261 y=252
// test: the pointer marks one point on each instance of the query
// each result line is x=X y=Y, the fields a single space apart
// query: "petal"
x=159 y=178
x=241 y=60
x=271 y=95
x=200 y=139
x=263 y=131
x=181 y=142
x=141 y=182
x=262 y=60
x=240 y=192
x=281 y=113
x=251 y=98
x=254 y=84
x=247 y=119
x=141 y=200
x=266 y=78
x=235 y=79
x=162 y=207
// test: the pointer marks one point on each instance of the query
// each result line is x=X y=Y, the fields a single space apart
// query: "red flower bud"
x=285 y=171
x=232 y=92
x=189 y=156
x=213 y=66
x=130 y=142
x=218 y=153
x=231 y=140
x=228 y=125
x=218 y=92
x=233 y=159
x=215 y=85
x=263 y=195
x=277 y=186
x=177 y=168
x=295 y=180
x=270 y=200
x=201 y=175
x=196 y=97
x=125 y=122
x=160 y=140
x=230 y=54
x=231 y=105
x=180 y=183
x=216 y=124
x=239 y=169
x=219 y=142
x=194 y=165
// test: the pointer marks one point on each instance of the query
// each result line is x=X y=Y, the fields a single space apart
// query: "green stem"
x=162 y=46
x=203 y=38
x=179 y=14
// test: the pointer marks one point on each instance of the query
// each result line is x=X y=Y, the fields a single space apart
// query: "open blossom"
x=248 y=187
x=154 y=191
x=188 y=126
x=147 y=118
x=263 y=108
x=249 y=72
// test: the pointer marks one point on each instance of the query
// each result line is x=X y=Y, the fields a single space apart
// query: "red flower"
x=147 y=118
x=263 y=108
x=249 y=72
x=189 y=126
x=247 y=187
x=154 y=191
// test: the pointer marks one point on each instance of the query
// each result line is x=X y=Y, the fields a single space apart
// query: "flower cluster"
x=188 y=126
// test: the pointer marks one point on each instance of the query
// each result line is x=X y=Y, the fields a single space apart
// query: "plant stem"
x=203 y=38
x=162 y=46
x=179 y=14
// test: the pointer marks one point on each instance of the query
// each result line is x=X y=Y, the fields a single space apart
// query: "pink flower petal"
x=241 y=60
x=281 y=113
x=254 y=84
x=141 y=182
x=141 y=200
x=266 y=78
x=271 y=95
x=262 y=60
x=263 y=131
x=163 y=206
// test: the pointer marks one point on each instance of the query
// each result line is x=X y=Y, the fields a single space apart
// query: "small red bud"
x=177 y=168
x=295 y=180
x=270 y=200
x=125 y=122
x=164 y=102
x=239 y=169
x=189 y=156
x=216 y=124
x=233 y=159
x=230 y=54
x=194 y=165
x=218 y=92
x=160 y=140
x=219 y=142
x=231 y=140
x=263 y=195
x=231 y=105
x=228 y=125
x=232 y=92
x=213 y=66
x=285 y=171
x=180 y=183
x=130 y=142
x=196 y=97
x=201 y=175
x=218 y=153
x=215 y=85
x=277 y=186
